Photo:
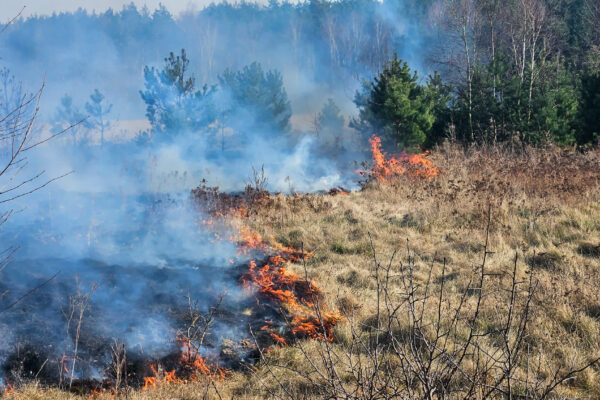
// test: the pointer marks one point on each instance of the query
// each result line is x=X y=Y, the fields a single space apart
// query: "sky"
x=9 y=8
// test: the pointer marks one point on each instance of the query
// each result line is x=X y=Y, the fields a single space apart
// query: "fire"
x=160 y=377
x=340 y=190
x=277 y=284
x=404 y=164
x=315 y=328
x=278 y=339
x=8 y=390
x=197 y=364
x=191 y=365
x=99 y=392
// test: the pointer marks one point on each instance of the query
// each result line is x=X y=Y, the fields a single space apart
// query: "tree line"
x=519 y=71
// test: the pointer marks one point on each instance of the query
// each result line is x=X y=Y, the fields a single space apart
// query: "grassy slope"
x=544 y=207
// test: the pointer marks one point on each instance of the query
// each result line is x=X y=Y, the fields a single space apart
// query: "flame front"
x=403 y=164
x=297 y=296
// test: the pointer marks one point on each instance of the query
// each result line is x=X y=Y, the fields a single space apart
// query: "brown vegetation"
x=523 y=296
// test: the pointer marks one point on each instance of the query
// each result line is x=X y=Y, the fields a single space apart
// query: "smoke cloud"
x=122 y=226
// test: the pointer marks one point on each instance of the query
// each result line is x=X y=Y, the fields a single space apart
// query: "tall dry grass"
x=544 y=209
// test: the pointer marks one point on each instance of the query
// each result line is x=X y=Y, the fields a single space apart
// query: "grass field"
x=543 y=211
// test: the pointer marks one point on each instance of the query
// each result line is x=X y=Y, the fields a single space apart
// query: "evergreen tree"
x=589 y=112
x=330 y=126
x=173 y=104
x=330 y=118
x=98 y=109
x=259 y=96
x=69 y=115
x=395 y=106
x=555 y=114
x=441 y=97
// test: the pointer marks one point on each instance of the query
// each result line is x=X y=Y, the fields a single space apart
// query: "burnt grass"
x=545 y=207
x=31 y=362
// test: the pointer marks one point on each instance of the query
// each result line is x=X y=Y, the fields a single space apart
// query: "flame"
x=278 y=339
x=277 y=284
x=340 y=190
x=192 y=366
x=315 y=328
x=160 y=377
x=98 y=392
x=403 y=164
x=198 y=365
x=8 y=390
x=150 y=382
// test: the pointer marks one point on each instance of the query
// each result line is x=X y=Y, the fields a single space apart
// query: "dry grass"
x=544 y=208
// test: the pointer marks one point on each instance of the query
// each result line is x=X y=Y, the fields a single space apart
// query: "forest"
x=483 y=72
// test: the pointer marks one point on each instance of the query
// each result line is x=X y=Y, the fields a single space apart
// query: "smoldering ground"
x=119 y=237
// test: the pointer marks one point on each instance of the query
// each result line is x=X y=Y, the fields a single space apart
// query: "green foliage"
x=330 y=126
x=589 y=102
x=258 y=96
x=441 y=97
x=558 y=108
x=589 y=113
x=173 y=105
x=175 y=69
x=98 y=109
x=395 y=106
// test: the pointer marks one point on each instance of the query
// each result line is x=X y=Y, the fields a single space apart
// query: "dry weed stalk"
x=78 y=304
x=119 y=366
x=422 y=344
x=198 y=325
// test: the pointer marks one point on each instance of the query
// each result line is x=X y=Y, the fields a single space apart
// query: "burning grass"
x=385 y=167
x=544 y=202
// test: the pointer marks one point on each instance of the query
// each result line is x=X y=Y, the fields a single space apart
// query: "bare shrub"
x=424 y=342
x=19 y=112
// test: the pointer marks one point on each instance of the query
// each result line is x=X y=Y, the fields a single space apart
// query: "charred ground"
x=544 y=210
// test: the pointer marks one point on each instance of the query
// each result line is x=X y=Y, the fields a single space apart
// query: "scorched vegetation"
x=475 y=282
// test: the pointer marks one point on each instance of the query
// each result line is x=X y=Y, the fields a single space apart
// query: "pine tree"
x=330 y=126
x=69 y=115
x=258 y=96
x=395 y=106
x=173 y=105
x=589 y=113
x=98 y=109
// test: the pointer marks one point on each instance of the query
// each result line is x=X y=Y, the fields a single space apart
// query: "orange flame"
x=193 y=360
x=315 y=328
x=98 y=392
x=403 y=164
x=274 y=282
x=160 y=377
x=8 y=390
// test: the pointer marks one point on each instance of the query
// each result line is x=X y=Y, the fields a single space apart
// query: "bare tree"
x=527 y=23
x=17 y=145
x=462 y=23
x=119 y=365
x=197 y=328
x=592 y=13
x=78 y=305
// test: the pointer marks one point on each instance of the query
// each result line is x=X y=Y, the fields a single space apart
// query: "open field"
x=544 y=211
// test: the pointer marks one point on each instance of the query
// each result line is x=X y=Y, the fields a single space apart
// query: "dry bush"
x=427 y=343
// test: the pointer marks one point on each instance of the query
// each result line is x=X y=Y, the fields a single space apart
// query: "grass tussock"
x=545 y=212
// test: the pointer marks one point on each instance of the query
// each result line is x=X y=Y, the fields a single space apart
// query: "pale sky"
x=9 y=8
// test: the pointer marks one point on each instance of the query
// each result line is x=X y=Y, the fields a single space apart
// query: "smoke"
x=122 y=227
x=124 y=223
